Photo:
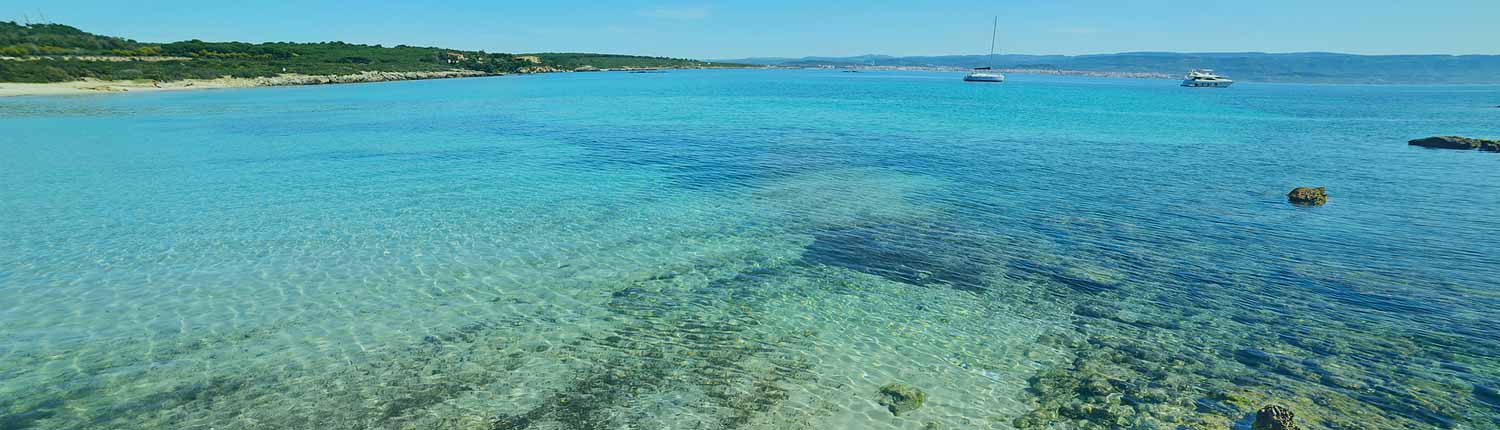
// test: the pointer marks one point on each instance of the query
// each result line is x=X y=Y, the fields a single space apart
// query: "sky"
x=791 y=28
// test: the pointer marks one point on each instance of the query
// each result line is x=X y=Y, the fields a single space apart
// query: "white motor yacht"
x=1205 y=78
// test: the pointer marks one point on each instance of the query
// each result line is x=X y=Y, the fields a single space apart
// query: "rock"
x=1488 y=394
x=901 y=398
x=1254 y=357
x=1457 y=142
x=1308 y=196
x=361 y=77
x=1095 y=311
x=1274 y=417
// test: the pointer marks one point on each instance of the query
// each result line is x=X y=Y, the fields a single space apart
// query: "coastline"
x=90 y=86
x=95 y=86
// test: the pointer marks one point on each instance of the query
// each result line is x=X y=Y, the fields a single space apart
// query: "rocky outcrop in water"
x=901 y=398
x=1308 y=196
x=1457 y=142
x=1274 y=417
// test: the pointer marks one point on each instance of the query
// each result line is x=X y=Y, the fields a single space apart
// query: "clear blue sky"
x=725 y=29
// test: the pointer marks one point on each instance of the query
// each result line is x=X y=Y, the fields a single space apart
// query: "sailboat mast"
x=994 y=30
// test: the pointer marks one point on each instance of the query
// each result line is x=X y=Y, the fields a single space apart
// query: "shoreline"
x=95 y=86
x=90 y=86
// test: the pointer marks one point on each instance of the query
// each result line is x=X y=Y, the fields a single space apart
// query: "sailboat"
x=988 y=74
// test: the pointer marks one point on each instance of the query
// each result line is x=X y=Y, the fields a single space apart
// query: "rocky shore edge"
x=364 y=77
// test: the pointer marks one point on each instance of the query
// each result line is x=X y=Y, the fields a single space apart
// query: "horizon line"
x=803 y=57
x=753 y=57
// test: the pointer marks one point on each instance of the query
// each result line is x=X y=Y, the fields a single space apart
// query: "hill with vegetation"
x=1309 y=67
x=60 y=53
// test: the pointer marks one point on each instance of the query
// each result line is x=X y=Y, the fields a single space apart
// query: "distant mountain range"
x=1312 y=67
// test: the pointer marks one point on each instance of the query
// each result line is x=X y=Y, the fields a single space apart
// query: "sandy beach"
x=94 y=86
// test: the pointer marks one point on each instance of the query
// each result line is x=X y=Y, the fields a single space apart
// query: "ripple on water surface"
x=744 y=249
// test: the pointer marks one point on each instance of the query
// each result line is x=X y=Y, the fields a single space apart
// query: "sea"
x=749 y=249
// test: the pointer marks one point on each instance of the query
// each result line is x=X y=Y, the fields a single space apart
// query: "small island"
x=60 y=59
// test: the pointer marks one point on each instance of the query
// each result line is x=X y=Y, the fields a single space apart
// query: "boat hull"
x=984 y=78
x=1207 y=84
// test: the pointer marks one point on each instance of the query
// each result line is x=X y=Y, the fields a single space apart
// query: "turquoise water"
x=748 y=249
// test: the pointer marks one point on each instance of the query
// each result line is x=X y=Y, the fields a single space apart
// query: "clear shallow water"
x=747 y=249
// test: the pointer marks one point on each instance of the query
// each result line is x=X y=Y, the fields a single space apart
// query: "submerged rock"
x=1088 y=278
x=1488 y=394
x=1457 y=142
x=1308 y=196
x=1274 y=417
x=1094 y=310
x=1254 y=357
x=901 y=398
x=911 y=253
